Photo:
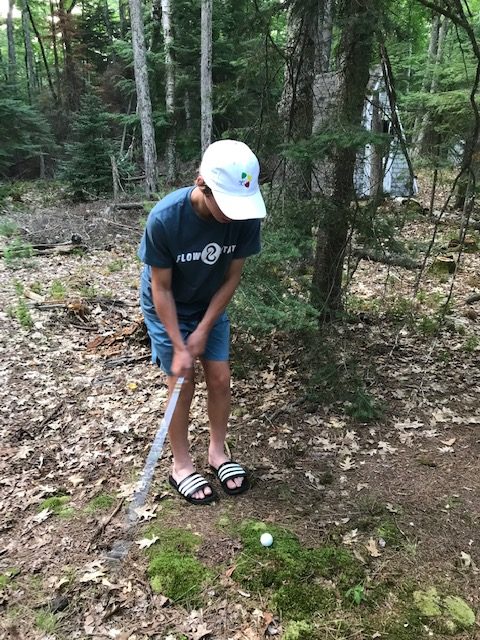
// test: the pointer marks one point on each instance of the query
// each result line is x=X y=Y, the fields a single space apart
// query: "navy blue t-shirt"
x=198 y=251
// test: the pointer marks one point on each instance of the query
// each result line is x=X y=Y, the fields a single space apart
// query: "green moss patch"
x=174 y=571
x=101 y=502
x=58 y=506
x=7 y=576
x=301 y=581
x=298 y=630
x=449 y=614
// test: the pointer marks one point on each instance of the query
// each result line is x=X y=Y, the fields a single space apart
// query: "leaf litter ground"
x=396 y=487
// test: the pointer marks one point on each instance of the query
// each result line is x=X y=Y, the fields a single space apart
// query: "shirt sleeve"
x=154 y=249
x=249 y=239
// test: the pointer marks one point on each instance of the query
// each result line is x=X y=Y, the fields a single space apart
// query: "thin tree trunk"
x=29 y=63
x=427 y=78
x=122 y=12
x=71 y=80
x=360 y=19
x=144 y=105
x=12 y=56
x=170 y=151
x=295 y=108
x=425 y=134
x=206 y=74
x=188 y=110
x=53 y=29
x=42 y=49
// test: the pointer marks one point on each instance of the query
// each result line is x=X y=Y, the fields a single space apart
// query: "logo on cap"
x=245 y=181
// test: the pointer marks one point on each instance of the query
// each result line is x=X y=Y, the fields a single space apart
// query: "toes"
x=234 y=483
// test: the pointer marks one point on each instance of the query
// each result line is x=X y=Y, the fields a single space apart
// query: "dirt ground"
x=80 y=404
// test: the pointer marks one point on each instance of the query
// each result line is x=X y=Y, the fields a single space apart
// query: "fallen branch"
x=102 y=526
x=128 y=205
x=386 y=258
x=116 y=362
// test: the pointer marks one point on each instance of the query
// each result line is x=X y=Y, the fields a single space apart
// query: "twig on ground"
x=51 y=416
x=102 y=526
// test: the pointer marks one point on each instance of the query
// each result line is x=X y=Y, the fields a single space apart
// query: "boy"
x=194 y=247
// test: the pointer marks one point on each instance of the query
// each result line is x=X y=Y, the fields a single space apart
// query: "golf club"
x=120 y=548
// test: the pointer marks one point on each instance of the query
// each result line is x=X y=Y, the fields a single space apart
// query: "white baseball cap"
x=230 y=169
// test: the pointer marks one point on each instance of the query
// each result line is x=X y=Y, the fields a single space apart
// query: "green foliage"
x=24 y=132
x=298 y=630
x=8 y=228
x=58 y=290
x=362 y=407
x=269 y=295
x=356 y=594
x=88 y=168
x=15 y=254
x=46 y=621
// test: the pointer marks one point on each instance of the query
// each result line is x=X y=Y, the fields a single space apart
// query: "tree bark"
x=144 y=105
x=12 y=56
x=56 y=64
x=425 y=138
x=359 y=22
x=427 y=79
x=170 y=150
x=42 y=49
x=295 y=108
x=29 y=64
x=122 y=12
x=72 y=92
x=206 y=74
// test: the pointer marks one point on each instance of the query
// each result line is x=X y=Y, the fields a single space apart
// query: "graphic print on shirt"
x=209 y=254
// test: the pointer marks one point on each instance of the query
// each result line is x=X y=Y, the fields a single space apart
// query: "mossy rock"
x=449 y=613
x=298 y=630
x=458 y=612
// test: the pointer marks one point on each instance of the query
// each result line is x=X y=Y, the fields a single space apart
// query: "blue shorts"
x=217 y=347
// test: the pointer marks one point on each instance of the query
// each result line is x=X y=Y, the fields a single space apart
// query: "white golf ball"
x=266 y=539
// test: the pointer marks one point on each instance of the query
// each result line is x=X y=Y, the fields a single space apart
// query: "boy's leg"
x=178 y=434
x=217 y=377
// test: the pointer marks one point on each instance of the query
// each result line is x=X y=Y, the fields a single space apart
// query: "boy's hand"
x=197 y=341
x=182 y=363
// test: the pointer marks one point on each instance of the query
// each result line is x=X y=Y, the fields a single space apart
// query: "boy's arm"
x=167 y=312
x=198 y=339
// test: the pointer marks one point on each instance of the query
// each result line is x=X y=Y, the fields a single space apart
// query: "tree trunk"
x=206 y=74
x=359 y=24
x=323 y=37
x=427 y=78
x=42 y=49
x=12 y=56
x=144 y=105
x=425 y=138
x=295 y=108
x=170 y=151
x=72 y=92
x=122 y=12
x=53 y=29
x=29 y=63
x=188 y=111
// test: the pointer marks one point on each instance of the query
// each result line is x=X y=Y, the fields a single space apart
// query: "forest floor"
x=363 y=443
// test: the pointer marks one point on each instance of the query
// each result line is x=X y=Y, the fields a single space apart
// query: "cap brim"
x=241 y=207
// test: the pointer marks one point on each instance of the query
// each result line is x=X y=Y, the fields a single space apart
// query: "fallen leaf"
x=372 y=548
x=146 y=513
x=42 y=516
x=449 y=443
x=144 y=543
x=201 y=632
x=347 y=464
